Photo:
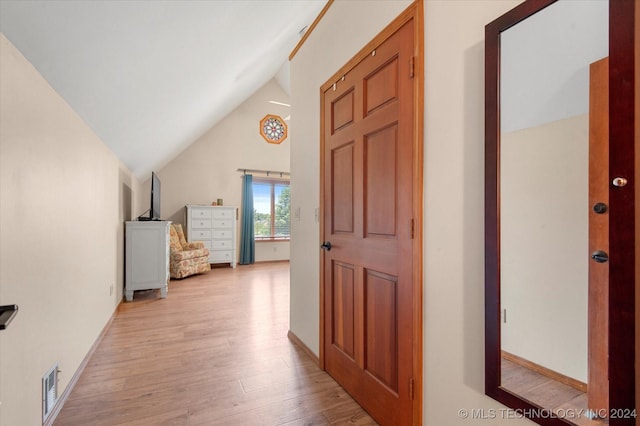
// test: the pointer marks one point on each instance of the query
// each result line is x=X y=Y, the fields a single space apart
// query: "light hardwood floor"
x=214 y=352
x=548 y=393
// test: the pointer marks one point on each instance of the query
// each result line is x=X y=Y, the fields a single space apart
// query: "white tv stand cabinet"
x=146 y=257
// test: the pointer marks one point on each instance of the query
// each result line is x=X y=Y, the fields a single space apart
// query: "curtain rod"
x=267 y=172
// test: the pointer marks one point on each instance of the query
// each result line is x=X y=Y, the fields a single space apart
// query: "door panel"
x=380 y=86
x=343 y=307
x=342 y=111
x=342 y=191
x=598 y=377
x=381 y=333
x=380 y=183
x=367 y=216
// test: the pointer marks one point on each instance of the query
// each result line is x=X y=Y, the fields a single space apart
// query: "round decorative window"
x=273 y=128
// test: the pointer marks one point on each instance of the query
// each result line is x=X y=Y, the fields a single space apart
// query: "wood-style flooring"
x=547 y=393
x=214 y=352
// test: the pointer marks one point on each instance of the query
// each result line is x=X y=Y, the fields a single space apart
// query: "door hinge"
x=411 y=392
x=411 y=227
x=411 y=66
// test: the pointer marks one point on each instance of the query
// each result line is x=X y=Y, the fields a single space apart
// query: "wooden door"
x=598 y=358
x=368 y=220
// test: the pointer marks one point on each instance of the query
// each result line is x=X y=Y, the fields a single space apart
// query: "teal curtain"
x=247 y=242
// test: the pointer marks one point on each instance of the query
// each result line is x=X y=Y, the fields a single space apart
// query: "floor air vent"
x=49 y=391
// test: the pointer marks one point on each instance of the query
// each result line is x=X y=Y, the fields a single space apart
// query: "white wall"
x=454 y=212
x=544 y=237
x=454 y=188
x=207 y=170
x=64 y=197
x=545 y=61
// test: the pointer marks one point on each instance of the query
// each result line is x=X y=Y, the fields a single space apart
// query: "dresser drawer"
x=222 y=234
x=222 y=224
x=224 y=256
x=216 y=227
x=201 y=223
x=200 y=235
x=223 y=214
x=221 y=244
x=198 y=213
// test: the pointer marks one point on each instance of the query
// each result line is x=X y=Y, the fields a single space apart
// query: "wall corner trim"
x=311 y=28
x=299 y=343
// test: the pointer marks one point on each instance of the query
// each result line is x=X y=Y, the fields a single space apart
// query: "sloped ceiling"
x=150 y=77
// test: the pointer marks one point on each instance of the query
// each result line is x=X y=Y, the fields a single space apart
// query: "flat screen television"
x=154 y=210
x=154 y=213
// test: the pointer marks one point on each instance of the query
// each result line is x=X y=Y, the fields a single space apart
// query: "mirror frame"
x=622 y=233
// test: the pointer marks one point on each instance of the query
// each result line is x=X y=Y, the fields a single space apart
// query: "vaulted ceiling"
x=150 y=77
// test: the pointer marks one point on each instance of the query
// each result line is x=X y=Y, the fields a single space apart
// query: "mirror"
x=545 y=154
x=552 y=291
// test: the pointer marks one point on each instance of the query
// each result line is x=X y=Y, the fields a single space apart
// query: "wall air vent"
x=49 y=391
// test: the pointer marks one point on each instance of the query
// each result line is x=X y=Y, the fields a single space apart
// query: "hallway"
x=215 y=351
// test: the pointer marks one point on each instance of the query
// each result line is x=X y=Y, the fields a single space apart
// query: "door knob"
x=326 y=245
x=600 y=256
x=600 y=208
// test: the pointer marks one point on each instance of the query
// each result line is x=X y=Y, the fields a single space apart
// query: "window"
x=271 y=209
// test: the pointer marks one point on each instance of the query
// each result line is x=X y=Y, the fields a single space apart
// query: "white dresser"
x=146 y=256
x=216 y=227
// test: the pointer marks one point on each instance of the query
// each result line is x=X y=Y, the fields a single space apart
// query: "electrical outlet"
x=296 y=213
x=317 y=214
x=111 y=289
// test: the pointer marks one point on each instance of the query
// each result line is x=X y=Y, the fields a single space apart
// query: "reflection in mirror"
x=560 y=227
x=544 y=202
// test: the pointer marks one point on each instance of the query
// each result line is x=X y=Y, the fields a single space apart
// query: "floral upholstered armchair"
x=186 y=258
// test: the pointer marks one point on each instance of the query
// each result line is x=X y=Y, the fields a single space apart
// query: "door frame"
x=415 y=11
